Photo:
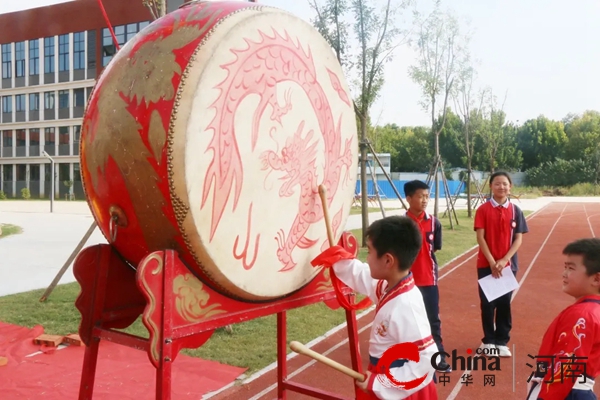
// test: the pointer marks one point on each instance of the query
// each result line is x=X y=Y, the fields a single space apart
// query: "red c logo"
x=408 y=351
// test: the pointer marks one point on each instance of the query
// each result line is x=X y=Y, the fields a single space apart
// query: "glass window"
x=34 y=101
x=20 y=102
x=34 y=137
x=20 y=59
x=7 y=104
x=63 y=52
x=7 y=139
x=34 y=57
x=49 y=55
x=79 y=50
x=63 y=99
x=6 y=61
x=108 y=45
x=78 y=98
x=49 y=101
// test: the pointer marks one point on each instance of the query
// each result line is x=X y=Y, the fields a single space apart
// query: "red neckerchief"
x=327 y=259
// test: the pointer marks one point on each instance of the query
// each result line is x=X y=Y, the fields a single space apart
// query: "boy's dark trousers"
x=431 y=298
x=498 y=312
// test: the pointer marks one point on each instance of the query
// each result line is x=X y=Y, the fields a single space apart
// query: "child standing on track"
x=393 y=244
x=425 y=267
x=500 y=226
x=571 y=345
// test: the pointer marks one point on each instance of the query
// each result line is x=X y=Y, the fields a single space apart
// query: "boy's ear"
x=389 y=259
x=596 y=280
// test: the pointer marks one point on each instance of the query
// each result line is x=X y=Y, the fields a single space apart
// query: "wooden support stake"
x=69 y=261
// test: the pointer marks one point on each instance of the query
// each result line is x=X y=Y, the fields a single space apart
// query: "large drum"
x=209 y=133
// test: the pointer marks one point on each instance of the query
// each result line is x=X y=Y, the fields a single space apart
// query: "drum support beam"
x=113 y=296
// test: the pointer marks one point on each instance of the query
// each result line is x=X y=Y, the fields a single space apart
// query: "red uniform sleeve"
x=480 y=218
x=566 y=351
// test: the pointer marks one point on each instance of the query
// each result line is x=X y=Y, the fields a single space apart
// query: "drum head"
x=263 y=117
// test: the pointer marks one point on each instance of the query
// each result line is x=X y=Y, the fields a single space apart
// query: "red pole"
x=109 y=25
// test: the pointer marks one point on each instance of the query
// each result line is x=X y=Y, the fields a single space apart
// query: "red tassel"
x=327 y=259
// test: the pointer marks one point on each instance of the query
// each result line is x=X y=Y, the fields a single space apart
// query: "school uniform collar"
x=387 y=294
x=588 y=297
x=496 y=204
x=423 y=216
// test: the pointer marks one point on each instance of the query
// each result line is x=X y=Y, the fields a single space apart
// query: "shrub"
x=25 y=193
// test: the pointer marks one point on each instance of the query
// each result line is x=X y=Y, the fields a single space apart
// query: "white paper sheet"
x=496 y=287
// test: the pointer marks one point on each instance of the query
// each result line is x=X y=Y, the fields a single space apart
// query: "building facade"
x=51 y=57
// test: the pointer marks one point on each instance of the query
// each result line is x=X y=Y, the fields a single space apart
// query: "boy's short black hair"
x=500 y=173
x=590 y=250
x=397 y=235
x=411 y=187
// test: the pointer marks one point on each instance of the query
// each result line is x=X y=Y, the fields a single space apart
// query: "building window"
x=8 y=173
x=6 y=61
x=63 y=99
x=20 y=134
x=7 y=104
x=34 y=137
x=34 y=57
x=20 y=59
x=49 y=101
x=21 y=172
x=49 y=55
x=63 y=141
x=7 y=139
x=63 y=53
x=20 y=102
x=34 y=101
x=78 y=98
x=108 y=45
x=79 y=50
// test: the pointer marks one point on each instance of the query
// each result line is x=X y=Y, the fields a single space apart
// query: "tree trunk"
x=437 y=183
x=469 y=210
x=363 y=179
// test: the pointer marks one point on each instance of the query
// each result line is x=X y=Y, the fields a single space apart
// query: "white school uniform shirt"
x=401 y=317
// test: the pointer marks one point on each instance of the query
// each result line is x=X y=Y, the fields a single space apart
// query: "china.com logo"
x=484 y=359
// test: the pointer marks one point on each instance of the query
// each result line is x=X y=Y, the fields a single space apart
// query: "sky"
x=543 y=55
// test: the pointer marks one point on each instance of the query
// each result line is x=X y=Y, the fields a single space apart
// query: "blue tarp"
x=386 y=190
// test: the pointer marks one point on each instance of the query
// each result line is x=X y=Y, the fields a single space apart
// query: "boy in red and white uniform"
x=393 y=244
x=569 y=358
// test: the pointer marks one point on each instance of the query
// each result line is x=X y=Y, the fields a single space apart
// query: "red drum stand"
x=180 y=311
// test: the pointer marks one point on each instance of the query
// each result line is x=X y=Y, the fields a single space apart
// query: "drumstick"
x=302 y=349
x=323 y=194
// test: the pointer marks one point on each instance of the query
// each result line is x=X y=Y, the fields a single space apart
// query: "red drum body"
x=209 y=133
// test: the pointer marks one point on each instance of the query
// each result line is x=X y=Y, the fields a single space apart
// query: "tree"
x=439 y=44
x=497 y=138
x=158 y=8
x=541 y=140
x=377 y=38
x=463 y=101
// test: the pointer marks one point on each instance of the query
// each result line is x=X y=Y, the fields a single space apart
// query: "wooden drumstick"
x=323 y=194
x=302 y=349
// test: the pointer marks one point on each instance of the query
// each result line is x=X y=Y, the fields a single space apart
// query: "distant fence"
x=386 y=190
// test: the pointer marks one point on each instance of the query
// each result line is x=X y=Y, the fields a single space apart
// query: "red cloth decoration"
x=327 y=259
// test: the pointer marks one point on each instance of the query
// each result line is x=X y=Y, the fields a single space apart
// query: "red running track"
x=535 y=304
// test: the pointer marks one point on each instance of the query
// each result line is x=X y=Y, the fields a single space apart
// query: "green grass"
x=8 y=229
x=252 y=344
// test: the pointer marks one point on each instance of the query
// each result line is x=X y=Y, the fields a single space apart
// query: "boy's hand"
x=364 y=385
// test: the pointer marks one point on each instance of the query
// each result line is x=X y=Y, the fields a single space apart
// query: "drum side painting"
x=209 y=133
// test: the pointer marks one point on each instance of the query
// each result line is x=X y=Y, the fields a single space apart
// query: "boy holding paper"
x=500 y=226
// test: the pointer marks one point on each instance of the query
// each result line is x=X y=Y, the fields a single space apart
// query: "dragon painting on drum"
x=210 y=133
